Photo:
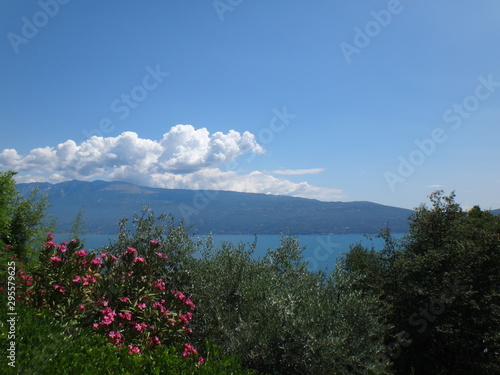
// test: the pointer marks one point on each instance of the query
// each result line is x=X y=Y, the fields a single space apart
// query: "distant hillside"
x=219 y=212
x=495 y=212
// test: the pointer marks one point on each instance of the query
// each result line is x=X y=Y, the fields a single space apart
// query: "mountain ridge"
x=217 y=212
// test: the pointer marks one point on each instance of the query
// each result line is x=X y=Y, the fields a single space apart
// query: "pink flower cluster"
x=81 y=253
x=133 y=349
x=139 y=260
x=96 y=261
x=50 y=244
x=130 y=250
x=85 y=280
x=189 y=350
x=182 y=297
x=27 y=278
x=116 y=337
x=59 y=288
x=55 y=260
x=62 y=247
x=108 y=316
x=159 y=284
x=126 y=315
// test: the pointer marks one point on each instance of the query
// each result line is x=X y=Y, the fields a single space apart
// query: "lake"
x=321 y=251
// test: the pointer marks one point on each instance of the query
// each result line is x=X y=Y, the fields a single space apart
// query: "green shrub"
x=282 y=319
x=120 y=296
x=44 y=347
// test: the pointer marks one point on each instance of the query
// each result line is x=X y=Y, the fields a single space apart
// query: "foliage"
x=173 y=237
x=442 y=286
x=282 y=319
x=79 y=226
x=426 y=304
x=23 y=221
x=121 y=296
x=43 y=347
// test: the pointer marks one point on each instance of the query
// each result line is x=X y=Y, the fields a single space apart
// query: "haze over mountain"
x=219 y=212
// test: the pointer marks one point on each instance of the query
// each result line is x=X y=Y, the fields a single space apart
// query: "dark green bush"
x=441 y=286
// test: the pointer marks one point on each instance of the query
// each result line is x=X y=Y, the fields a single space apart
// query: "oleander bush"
x=43 y=347
x=119 y=296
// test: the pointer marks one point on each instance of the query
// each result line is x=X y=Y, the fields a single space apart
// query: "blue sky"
x=384 y=101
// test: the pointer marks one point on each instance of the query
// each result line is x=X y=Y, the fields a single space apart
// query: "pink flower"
x=160 y=284
x=62 y=247
x=139 y=327
x=81 y=307
x=50 y=236
x=8 y=246
x=139 y=260
x=108 y=316
x=179 y=295
x=49 y=245
x=183 y=319
x=190 y=304
x=96 y=261
x=77 y=279
x=133 y=349
x=161 y=255
x=141 y=306
x=59 y=288
x=125 y=299
x=125 y=315
x=130 y=250
x=106 y=255
x=155 y=243
x=55 y=260
x=201 y=360
x=188 y=350
x=154 y=341
x=116 y=337
x=81 y=253
x=89 y=279
x=159 y=306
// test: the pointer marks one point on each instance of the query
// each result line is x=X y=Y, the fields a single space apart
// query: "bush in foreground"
x=43 y=347
x=120 y=296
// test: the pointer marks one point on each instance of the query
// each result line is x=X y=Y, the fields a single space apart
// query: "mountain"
x=495 y=212
x=219 y=212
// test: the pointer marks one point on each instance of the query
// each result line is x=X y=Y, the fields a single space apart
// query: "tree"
x=442 y=286
x=23 y=221
x=7 y=198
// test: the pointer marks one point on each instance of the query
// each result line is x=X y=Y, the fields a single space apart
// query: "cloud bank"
x=184 y=158
x=297 y=172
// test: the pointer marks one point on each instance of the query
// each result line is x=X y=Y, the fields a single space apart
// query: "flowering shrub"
x=119 y=295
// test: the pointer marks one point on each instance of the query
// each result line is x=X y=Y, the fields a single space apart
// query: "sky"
x=382 y=101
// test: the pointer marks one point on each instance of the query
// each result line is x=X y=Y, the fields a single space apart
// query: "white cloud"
x=184 y=157
x=254 y=182
x=298 y=172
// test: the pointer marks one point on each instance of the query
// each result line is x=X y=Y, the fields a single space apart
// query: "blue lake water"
x=321 y=251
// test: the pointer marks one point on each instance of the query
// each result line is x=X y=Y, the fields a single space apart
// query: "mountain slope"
x=219 y=212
